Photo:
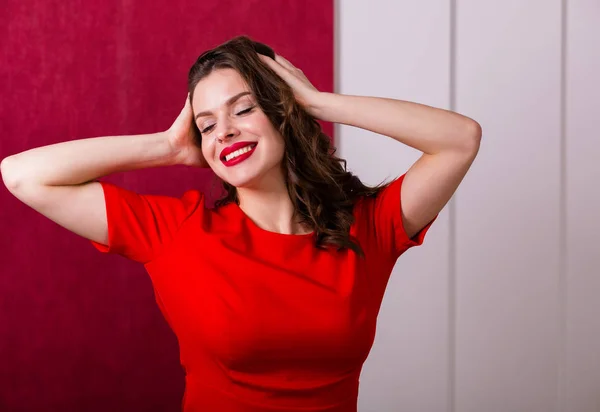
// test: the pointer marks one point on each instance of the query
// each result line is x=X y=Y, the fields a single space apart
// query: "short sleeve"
x=139 y=226
x=382 y=218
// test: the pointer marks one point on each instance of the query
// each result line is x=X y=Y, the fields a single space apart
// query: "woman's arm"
x=448 y=140
x=57 y=180
x=80 y=161
x=428 y=129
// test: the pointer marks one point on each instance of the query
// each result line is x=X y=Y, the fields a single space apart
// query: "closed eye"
x=245 y=111
x=248 y=110
x=208 y=129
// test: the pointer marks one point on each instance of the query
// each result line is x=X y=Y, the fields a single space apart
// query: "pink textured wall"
x=79 y=330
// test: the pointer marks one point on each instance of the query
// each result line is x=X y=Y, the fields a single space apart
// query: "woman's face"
x=238 y=141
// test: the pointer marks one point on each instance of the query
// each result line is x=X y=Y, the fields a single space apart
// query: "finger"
x=188 y=103
x=269 y=61
x=285 y=62
x=276 y=66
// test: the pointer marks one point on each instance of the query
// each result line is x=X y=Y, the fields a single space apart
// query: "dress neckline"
x=257 y=229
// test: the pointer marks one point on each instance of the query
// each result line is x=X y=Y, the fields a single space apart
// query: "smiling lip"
x=233 y=148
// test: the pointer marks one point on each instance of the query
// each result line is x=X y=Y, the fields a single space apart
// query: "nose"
x=226 y=130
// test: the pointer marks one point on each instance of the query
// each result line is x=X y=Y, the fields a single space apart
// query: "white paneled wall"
x=582 y=376
x=500 y=309
x=508 y=77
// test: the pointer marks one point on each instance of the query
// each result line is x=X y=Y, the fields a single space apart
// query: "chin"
x=242 y=177
x=242 y=182
x=252 y=177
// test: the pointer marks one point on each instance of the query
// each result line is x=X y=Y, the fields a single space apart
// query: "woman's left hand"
x=306 y=94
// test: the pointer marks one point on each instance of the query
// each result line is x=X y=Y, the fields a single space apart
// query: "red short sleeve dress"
x=265 y=321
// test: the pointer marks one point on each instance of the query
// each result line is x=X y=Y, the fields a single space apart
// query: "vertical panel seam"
x=563 y=251
x=451 y=377
x=337 y=72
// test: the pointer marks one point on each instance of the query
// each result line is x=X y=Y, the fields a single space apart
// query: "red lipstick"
x=249 y=149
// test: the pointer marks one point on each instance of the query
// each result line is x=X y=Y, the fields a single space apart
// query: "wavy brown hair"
x=322 y=190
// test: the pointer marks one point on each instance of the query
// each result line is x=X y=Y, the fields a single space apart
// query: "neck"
x=270 y=207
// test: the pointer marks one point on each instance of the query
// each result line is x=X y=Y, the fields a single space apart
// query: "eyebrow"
x=229 y=101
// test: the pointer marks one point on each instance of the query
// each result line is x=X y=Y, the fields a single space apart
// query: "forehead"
x=214 y=90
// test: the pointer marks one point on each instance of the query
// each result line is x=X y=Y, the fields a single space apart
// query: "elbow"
x=7 y=171
x=472 y=137
x=475 y=130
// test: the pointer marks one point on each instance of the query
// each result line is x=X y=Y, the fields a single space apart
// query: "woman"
x=273 y=294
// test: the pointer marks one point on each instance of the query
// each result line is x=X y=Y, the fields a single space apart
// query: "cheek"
x=208 y=150
x=259 y=124
x=279 y=148
x=279 y=144
x=264 y=128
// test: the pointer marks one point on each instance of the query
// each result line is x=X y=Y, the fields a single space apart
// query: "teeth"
x=238 y=152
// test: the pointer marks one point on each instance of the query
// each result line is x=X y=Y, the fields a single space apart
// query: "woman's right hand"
x=184 y=138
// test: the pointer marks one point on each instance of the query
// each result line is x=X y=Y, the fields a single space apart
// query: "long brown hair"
x=322 y=190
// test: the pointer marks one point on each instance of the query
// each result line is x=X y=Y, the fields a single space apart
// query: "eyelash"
x=245 y=111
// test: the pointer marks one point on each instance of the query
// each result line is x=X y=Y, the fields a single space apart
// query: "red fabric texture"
x=265 y=321
x=80 y=331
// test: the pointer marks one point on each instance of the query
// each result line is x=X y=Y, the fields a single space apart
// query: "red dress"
x=265 y=321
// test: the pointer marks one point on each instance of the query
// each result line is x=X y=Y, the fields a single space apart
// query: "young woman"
x=274 y=293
